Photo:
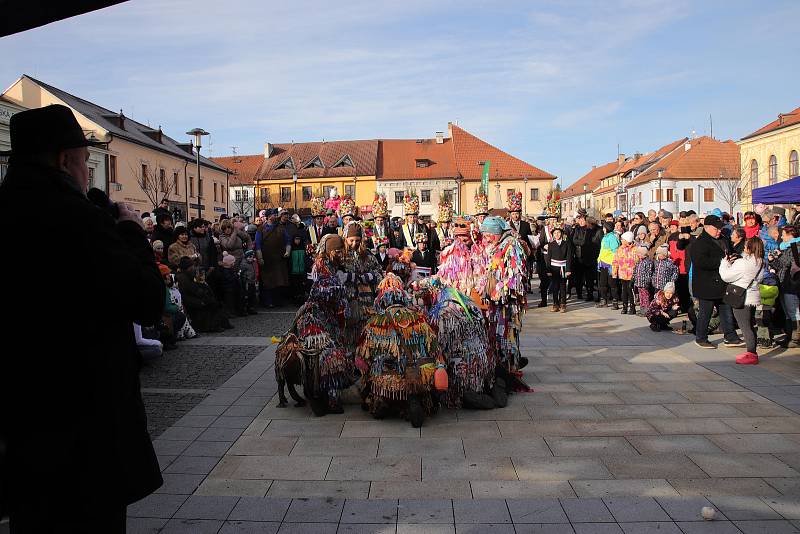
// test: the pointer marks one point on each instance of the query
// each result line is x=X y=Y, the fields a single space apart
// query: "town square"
x=513 y=268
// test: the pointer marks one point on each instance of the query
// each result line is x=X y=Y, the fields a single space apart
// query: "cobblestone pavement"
x=178 y=381
x=627 y=431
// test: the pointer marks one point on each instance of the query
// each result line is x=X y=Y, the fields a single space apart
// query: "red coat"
x=677 y=256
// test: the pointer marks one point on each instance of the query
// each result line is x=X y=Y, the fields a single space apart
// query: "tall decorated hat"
x=317 y=207
x=380 y=208
x=445 y=211
x=347 y=207
x=552 y=204
x=514 y=201
x=481 y=202
x=411 y=204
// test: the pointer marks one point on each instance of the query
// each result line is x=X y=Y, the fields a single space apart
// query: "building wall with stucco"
x=268 y=192
x=498 y=193
x=778 y=143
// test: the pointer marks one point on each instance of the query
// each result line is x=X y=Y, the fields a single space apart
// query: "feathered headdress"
x=317 y=207
x=481 y=202
x=445 y=211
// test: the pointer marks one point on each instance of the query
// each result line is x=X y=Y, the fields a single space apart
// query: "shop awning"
x=786 y=192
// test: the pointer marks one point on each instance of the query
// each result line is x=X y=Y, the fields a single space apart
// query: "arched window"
x=754 y=174
x=794 y=166
x=773 y=170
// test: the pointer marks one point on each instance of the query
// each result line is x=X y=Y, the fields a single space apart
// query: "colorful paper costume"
x=514 y=201
x=380 y=207
x=481 y=202
x=411 y=204
x=347 y=207
x=317 y=207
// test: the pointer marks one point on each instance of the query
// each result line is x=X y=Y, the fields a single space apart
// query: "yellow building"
x=143 y=165
x=770 y=155
x=291 y=174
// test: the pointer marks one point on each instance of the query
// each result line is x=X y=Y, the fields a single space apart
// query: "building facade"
x=141 y=165
x=698 y=174
x=770 y=154
x=241 y=184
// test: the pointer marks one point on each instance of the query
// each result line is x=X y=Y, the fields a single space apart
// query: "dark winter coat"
x=202 y=306
x=586 y=245
x=72 y=416
x=204 y=244
x=559 y=252
x=165 y=236
x=429 y=259
x=706 y=254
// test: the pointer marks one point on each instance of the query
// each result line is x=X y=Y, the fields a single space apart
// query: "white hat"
x=628 y=236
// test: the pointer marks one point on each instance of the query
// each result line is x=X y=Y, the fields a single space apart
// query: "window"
x=398 y=197
x=199 y=188
x=215 y=191
x=221 y=194
x=422 y=163
x=237 y=195
x=640 y=198
x=447 y=195
x=708 y=195
x=426 y=196
x=191 y=186
x=287 y=164
x=670 y=194
x=175 y=183
x=588 y=203
x=91 y=178
x=3 y=167
x=753 y=174
x=326 y=191
x=316 y=162
x=656 y=195
x=143 y=179
x=535 y=194
x=350 y=191
x=306 y=193
x=286 y=194
x=688 y=195
x=344 y=161
x=162 y=180
x=794 y=167
x=773 y=170
x=112 y=169
x=265 y=195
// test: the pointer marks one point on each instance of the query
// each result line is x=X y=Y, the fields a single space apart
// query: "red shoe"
x=747 y=358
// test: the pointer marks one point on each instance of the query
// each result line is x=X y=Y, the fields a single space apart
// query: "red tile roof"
x=469 y=151
x=706 y=158
x=592 y=179
x=243 y=168
x=364 y=155
x=397 y=159
x=783 y=120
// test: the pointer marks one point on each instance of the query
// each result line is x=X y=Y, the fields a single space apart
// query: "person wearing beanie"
x=663 y=308
x=664 y=269
x=606 y=283
x=622 y=268
x=558 y=257
x=158 y=250
x=181 y=247
x=641 y=278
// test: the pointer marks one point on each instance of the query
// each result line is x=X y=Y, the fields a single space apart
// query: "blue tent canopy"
x=787 y=192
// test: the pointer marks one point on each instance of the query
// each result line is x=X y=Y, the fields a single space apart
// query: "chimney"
x=620 y=159
x=594 y=167
x=269 y=148
x=439 y=138
x=637 y=155
x=686 y=146
x=780 y=119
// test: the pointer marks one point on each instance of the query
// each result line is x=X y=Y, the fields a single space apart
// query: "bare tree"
x=731 y=184
x=154 y=182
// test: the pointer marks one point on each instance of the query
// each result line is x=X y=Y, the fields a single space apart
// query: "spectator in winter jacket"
x=746 y=272
x=664 y=269
x=623 y=265
x=202 y=306
x=738 y=237
x=181 y=247
x=655 y=238
x=163 y=231
x=558 y=258
x=158 y=250
x=234 y=241
x=752 y=224
x=607 y=285
x=248 y=278
x=203 y=243
x=706 y=254
x=663 y=308
x=781 y=262
x=642 y=274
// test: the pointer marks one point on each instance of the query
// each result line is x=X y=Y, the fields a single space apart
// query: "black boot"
x=477 y=401
x=415 y=413
x=500 y=392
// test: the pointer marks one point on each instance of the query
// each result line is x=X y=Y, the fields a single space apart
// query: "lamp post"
x=294 y=179
x=458 y=193
x=525 y=199
x=198 y=134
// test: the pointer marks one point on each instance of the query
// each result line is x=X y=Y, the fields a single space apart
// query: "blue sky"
x=558 y=84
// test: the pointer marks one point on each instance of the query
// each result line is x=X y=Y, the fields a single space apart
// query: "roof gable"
x=783 y=120
x=348 y=158
x=592 y=179
x=244 y=168
x=470 y=151
x=703 y=158
x=397 y=159
x=131 y=130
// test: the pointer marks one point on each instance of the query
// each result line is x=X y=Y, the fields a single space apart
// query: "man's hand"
x=127 y=214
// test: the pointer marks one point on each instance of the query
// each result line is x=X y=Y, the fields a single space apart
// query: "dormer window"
x=287 y=164
x=315 y=163
x=344 y=161
x=423 y=163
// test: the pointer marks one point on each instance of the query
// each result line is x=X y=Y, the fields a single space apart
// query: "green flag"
x=485 y=177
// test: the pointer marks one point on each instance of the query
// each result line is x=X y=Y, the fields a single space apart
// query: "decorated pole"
x=485 y=177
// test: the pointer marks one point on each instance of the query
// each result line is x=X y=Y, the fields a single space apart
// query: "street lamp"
x=458 y=193
x=524 y=199
x=198 y=134
x=294 y=179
